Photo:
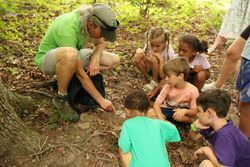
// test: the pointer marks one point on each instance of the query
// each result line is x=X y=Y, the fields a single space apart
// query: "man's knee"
x=116 y=61
x=67 y=56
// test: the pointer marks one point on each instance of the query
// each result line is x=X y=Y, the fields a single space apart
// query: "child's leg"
x=155 y=68
x=244 y=124
x=200 y=79
x=141 y=63
x=206 y=163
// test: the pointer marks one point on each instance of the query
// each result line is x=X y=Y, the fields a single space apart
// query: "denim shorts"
x=243 y=80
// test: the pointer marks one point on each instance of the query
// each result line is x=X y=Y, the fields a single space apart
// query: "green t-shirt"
x=63 y=32
x=145 y=138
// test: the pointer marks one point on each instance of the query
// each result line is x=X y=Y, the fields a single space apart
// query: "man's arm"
x=94 y=64
x=90 y=88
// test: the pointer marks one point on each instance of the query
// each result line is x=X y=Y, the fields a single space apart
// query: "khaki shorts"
x=48 y=65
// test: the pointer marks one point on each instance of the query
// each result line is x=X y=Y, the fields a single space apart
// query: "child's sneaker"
x=208 y=86
x=150 y=86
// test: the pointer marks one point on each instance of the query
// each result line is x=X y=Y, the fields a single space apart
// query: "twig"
x=34 y=91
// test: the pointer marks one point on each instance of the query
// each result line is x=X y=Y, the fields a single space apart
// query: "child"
x=191 y=48
x=156 y=52
x=229 y=145
x=142 y=139
x=178 y=96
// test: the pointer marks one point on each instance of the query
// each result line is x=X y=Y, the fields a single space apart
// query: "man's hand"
x=94 y=66
x=107 y=105
x=179 y=114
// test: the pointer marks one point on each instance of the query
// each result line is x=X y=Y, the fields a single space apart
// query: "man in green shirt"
x=62 y=52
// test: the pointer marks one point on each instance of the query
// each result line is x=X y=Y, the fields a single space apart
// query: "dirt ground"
x=93 y=140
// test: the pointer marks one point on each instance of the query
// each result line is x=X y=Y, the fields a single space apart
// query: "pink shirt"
x=172 y=97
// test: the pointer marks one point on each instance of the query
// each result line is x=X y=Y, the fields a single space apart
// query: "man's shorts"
x=243 y=80
x=48 y=65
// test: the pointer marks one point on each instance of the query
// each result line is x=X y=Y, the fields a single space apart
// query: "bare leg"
x=65 y=67
x=155 y=68
x=109 y=61
x=245 y=118
x=219 y=40
x=141 y=64
x=231 y=60
x=206 y=163
x=200 y=79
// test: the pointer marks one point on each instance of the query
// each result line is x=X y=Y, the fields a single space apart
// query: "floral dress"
x=236 y=19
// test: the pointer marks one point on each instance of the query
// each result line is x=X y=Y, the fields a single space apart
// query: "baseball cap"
x=104 y=16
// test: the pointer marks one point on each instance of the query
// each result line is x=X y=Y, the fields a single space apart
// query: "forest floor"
x=93 y=140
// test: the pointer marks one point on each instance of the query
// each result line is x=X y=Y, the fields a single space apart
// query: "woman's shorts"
x=48 y=65
x=243 y=80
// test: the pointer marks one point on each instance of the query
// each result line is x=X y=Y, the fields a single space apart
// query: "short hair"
x=178 y=66
x=194 y=42
x=137 y=100
x=217 y=99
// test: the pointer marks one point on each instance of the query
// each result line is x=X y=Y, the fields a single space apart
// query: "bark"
x=14 y=133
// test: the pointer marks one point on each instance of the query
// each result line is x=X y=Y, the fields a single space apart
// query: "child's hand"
x=139 y=51
x=139 y=54
x=200 y=151
x=198 y=125
x=179 y=114
x=197 y=68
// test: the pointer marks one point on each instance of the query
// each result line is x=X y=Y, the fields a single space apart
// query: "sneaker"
x=61 y=103
x=150 y=86
x=209 y=86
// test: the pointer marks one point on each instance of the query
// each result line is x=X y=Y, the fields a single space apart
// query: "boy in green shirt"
x=142 y=139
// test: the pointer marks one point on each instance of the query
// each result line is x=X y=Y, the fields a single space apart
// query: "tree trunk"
x=14 y=133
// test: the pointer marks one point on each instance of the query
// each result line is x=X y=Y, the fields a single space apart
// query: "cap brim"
x=109 y=35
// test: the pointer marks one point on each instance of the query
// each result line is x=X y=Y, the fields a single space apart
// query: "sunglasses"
x=109 y=28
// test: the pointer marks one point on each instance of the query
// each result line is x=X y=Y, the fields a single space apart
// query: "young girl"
x=156 y=52
x=191 y=48
x=177 y=99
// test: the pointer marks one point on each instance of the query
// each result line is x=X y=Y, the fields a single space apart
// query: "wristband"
x=193 y=128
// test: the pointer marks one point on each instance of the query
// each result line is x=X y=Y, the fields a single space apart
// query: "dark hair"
x=137 y=100
x=178 y=66
x=194 y=42
x=217 y=99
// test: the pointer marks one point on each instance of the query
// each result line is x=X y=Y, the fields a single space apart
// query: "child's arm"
x=157 y=110
x=153 y=93
x=184 y=115
x=126 y=158
x=209 y=153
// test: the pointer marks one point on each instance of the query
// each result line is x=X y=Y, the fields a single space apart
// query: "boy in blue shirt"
x=142 y=139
